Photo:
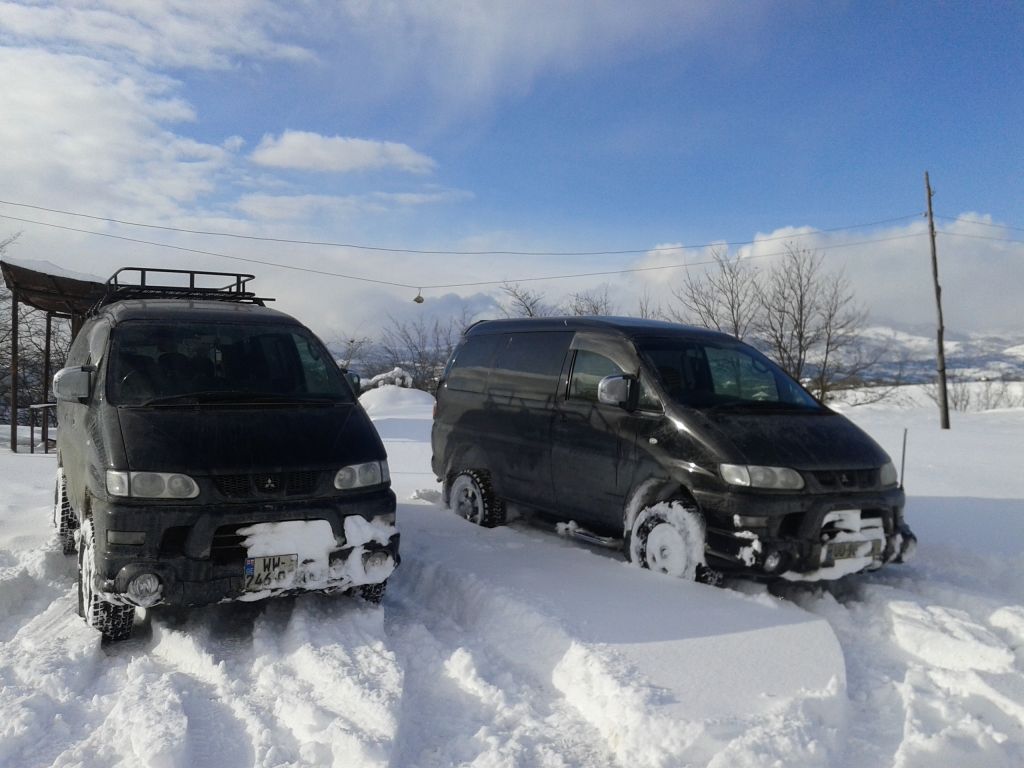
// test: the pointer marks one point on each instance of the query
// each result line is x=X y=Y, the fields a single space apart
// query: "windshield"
x=220 y=362
x=711 y=375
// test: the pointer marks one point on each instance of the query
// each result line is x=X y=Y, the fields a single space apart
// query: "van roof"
x=177 y=310
x=630 y=327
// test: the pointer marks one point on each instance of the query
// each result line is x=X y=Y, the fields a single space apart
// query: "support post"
x=14 y=371
x=941 y=359
x=46 y=384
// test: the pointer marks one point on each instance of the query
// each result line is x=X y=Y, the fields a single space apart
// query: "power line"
x=422 y=252
x=410 y=286
x=980 y=223
x=979 y=237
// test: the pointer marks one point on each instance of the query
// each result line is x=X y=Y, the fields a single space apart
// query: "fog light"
x=772 y=561
x=145 y=589
x=375 y=559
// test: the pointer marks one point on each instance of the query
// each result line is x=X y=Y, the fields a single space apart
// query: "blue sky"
x=533 y=126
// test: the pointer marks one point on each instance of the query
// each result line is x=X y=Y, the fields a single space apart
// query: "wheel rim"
x=467 y=501
x=667 y=550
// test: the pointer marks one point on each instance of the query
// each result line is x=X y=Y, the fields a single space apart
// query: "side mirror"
x=72 y=385
x=620 y=391
x=355 y=381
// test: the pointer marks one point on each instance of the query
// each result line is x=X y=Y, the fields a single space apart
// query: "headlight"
x=151 y=485
x=887 y=475
x=751 y=476
x=362 y=475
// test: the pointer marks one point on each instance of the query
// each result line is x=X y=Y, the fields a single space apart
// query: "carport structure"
x=59 y=294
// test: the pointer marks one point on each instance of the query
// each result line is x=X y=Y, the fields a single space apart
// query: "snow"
x=518 y=647
x=49 y=268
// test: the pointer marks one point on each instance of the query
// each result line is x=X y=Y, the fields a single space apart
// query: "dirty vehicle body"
x=686 y=447
x=210 y=449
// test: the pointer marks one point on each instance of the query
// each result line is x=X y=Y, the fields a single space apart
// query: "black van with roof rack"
x=686 y=447
x=210 y=449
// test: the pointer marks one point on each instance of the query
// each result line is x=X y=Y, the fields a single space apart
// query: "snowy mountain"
x=975 y=356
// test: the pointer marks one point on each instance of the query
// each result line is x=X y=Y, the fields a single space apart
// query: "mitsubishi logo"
x=269 y=484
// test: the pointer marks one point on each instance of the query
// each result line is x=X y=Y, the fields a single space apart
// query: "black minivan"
x=210 y=449
x=689 y=449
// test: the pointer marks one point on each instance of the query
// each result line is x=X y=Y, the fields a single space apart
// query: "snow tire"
x=373 y=593
x=472 y=497
x=669 y=538
x=113 y=621
x=64 y=516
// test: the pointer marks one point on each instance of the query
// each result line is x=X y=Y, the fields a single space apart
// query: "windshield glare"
x=712 y=374
x=151 y=362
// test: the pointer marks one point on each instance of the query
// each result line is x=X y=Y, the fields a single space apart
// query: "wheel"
x=64 y=516
x=373 y=593
x=472 y=497
x=669 y=538
x=113 y=621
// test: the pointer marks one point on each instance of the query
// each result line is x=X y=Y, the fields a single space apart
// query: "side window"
x=472 y=363
x=79 y=352
x=587 y=372
x=528 y=366
x=314 y=365
x=97 y=341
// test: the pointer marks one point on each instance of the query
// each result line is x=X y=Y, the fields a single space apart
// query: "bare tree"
x=524 y=302
x=724 y=298
x=646 y=308
x=349 y=350
x=595 y=301
x=421 y=347
x=788 y=322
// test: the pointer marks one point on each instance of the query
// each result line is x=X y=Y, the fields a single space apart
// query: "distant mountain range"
x=971 y=356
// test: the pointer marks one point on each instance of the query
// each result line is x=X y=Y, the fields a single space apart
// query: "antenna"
x=903 y=456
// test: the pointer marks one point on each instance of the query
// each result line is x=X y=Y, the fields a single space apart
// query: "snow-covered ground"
x=514 y=647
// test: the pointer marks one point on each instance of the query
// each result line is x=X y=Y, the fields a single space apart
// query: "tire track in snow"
x=933 y=666
x=492 y=715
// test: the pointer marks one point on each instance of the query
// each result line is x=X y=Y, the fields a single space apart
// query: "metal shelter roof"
x=54 y=293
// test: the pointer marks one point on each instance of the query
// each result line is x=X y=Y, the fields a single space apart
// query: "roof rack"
x=189 y=284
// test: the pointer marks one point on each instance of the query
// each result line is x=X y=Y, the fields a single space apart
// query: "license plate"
x=844 y=550
x=269 y=572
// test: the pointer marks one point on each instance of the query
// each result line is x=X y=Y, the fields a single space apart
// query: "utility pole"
x=943 y=399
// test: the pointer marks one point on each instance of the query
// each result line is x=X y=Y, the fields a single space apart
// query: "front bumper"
x=198 y=554
x=805 y=536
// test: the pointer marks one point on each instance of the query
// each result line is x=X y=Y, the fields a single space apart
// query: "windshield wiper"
x=240 y=396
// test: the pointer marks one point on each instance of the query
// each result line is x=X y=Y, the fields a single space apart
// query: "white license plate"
x=844 y=550
x=269 y=572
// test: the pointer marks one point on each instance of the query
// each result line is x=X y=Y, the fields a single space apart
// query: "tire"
x=669 y=538
x=472 y=497
x=64 y=516
x=113 y=621
x=373 y=593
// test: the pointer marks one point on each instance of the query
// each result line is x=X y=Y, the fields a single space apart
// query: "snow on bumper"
x=364 y=551
x=368 y=555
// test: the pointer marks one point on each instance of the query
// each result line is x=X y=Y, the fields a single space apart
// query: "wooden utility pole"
x=943 y=399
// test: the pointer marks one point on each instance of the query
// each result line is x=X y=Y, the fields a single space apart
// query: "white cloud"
x=889 y=270
x=302 y=150
x=175 y=33
x=79 y=129
x=474 y=50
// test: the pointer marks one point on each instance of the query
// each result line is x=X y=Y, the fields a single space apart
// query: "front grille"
x=226 y=546
x=846 y=479
x=263 y=484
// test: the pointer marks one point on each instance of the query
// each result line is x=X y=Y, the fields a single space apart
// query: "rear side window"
x=472 y=363
x=529 y=364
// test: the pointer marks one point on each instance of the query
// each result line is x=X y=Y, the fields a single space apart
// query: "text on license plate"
x=269 y=571
x=844 y=550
